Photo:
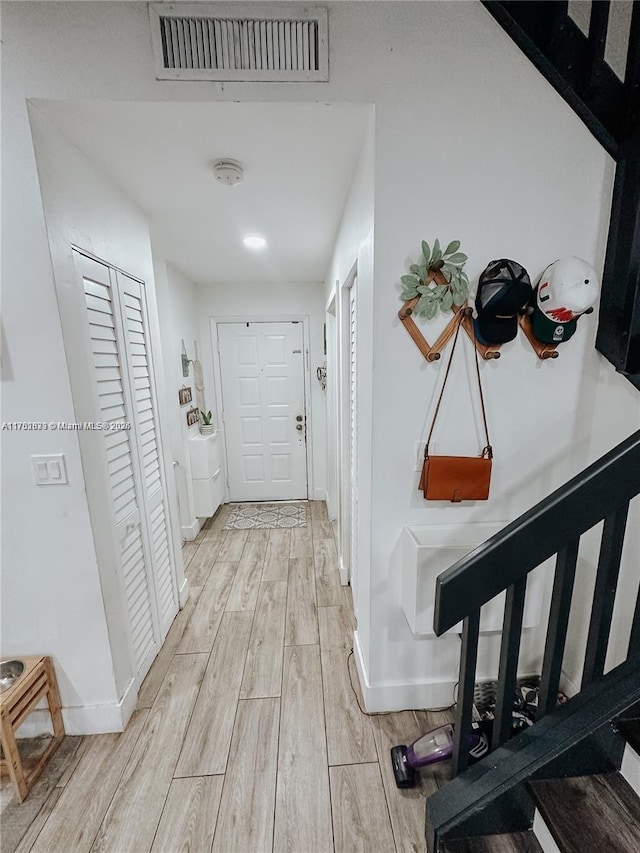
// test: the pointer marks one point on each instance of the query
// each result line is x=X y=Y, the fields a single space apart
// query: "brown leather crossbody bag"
x=457 y=478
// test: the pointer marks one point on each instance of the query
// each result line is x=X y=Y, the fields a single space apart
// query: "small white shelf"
x=205 y=456
x=427 y=551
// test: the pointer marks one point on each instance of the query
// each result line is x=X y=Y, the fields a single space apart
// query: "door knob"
x=298 y=426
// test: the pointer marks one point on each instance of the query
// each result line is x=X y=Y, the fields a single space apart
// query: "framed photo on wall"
x=184 y=395
x=192 y=417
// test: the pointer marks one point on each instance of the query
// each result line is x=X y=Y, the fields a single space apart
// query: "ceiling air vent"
x=221 y=42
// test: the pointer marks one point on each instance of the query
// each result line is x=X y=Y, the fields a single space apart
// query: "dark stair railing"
x=581 y=737
x=554 y=526
x=575 y=66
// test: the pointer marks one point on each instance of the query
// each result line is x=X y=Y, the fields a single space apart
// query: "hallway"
x=247 y=735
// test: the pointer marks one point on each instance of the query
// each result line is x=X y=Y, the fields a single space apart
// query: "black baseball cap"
x=504 y=291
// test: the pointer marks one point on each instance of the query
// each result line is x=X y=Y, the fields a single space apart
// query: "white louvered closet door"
x=136 y=337
x=124 y=393
x=113 y=402
x=353 y=443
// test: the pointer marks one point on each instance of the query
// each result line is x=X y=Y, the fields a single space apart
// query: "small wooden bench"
x=38 y=681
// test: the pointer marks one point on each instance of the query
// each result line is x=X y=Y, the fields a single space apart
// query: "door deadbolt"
x=298 y=417
x=298 y=426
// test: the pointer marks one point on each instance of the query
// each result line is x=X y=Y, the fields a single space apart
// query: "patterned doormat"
x=249 y=516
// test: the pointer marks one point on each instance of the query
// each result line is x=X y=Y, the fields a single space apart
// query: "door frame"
x=344 y=428
x=214 y=321
x=333 y=455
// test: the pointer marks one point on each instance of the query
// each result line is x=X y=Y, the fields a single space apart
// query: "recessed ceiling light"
x=254 y=241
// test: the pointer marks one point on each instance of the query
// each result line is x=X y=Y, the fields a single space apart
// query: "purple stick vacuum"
x=433 y=747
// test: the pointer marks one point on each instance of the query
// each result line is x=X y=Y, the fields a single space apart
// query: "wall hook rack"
x=542 y=350
x=431 y=353
x=486 y=351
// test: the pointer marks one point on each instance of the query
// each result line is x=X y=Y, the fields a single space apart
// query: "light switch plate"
x=50 y=470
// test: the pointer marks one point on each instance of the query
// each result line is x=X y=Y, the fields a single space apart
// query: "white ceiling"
x=299 y=161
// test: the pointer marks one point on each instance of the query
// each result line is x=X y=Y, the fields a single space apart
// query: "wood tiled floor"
x=247 y=736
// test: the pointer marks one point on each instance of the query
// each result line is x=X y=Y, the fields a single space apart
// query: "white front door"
x=262 y=370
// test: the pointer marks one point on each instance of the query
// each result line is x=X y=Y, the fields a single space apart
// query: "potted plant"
x=206 y=427
x=439 y=282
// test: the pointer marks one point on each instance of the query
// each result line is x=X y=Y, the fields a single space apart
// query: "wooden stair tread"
x=514 y=842
x=599 y=812
x=630 y=729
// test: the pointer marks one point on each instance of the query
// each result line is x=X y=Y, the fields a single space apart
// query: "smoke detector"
x=228 y=172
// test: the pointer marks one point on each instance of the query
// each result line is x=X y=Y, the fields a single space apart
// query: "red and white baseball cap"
x=567 y=288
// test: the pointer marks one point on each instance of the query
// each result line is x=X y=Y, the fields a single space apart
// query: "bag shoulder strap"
x=488 y=450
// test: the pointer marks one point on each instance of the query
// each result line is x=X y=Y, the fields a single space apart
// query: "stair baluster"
x=605 y=593
x=558 y=622
x=509 y=653
x=464 y=707
x=634 y=638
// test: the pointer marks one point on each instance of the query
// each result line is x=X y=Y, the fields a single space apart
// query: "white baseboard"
x=631 y=768
x=543 y=834
x=183 y=593
x=344 y=572
x=319 y=494
x=191 y=531
x=85 y=720
x=128 y=702
x=398 y=696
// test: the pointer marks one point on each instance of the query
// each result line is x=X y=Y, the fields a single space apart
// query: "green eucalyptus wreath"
x=433 y=296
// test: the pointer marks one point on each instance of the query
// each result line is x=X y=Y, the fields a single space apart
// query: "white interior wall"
x=502 y=184
x=82 y=209
x=51 y=594
x=539 y=413
x=273 y=301
x=78 y=619
x=480 y=150
x=178 y=310
x=356 y=222
x=615 y=414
